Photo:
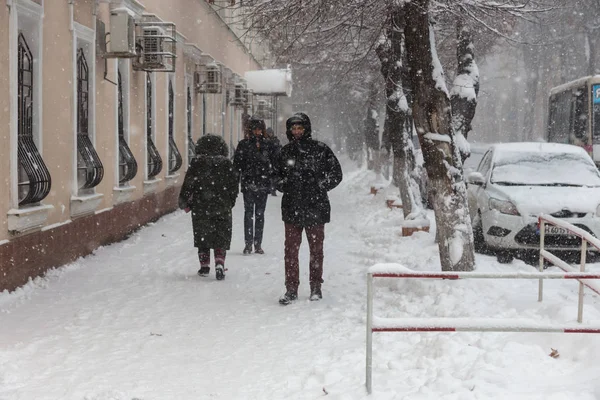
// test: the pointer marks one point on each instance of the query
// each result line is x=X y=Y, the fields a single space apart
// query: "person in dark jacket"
x=307 y=170
x=253 y=159
x=277 y=148
x=209 y=190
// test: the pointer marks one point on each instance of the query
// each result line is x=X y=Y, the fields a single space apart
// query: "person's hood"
x=298 y=119
x=212 y=145
x=256 y=122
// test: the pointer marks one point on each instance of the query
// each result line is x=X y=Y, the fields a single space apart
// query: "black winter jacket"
x=254 y=164
x=210 y=189
x=307 y=170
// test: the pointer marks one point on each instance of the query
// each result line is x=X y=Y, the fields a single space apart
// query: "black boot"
x=220 y=272
x=248 y=249
x=289 y=297
x=204 y=270
x=315 y=293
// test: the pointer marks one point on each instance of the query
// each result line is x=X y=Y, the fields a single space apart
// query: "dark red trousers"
x=293 y=239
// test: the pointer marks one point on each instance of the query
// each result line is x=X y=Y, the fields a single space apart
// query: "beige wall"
x=57 y=103
x=4 y=121
x=199 y=25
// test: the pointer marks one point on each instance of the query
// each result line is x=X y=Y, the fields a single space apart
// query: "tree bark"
x=465 y=88
x=432 y=118
x=397 y=119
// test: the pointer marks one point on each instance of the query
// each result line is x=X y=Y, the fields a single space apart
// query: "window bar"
x=127 y=164
x=191 y=144
x=175 y=159
x=90 y=170
x=154 y=159
x=34 y=180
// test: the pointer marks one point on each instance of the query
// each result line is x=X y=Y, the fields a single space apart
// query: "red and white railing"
x=585 y=237
x=375 y=324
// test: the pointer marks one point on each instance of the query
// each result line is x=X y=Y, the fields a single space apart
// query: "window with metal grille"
x=127 y=164
x=154 y=160
x=90 y=170
x=33 y=179
x=191 y=144
x=175 y=160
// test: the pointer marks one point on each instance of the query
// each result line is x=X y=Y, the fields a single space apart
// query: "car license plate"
x=556 y=230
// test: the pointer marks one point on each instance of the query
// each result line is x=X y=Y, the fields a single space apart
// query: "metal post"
x=369 y=382
x=582 y=268
x=542 y=225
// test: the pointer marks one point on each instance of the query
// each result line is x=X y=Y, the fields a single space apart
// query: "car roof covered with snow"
x=537 y=147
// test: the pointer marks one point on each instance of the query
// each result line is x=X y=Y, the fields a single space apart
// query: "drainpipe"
x=71 y=14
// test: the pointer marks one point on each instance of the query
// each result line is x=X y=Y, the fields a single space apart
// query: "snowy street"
x=134 y=321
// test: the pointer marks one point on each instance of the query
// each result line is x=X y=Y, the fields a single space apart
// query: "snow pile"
x=135 y=321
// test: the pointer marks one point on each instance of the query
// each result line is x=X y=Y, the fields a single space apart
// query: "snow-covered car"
x=515 y=182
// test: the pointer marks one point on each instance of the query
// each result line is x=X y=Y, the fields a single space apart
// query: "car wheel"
x=478 y=239
x=504 y=257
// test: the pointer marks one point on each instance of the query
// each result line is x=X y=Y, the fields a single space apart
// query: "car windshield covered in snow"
x=525 y=168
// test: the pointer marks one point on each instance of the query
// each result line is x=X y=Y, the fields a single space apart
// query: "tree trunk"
x=396 y=137
x=432 y=118
x=463 y=96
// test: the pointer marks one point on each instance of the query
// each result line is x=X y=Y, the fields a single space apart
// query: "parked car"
x=515 y=182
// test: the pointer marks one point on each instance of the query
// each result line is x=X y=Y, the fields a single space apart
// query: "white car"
x=515 y=182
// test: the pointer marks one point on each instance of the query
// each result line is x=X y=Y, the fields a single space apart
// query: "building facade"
x=100 y=104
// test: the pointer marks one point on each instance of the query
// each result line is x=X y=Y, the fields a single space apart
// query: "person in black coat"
x=253 y=158
x=307 y=170
x=209 y=190
x=277 y=148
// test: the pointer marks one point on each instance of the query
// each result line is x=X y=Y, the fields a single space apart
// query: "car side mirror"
x=476 y=178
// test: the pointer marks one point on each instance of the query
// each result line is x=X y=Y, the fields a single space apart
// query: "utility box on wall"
x=122 y=35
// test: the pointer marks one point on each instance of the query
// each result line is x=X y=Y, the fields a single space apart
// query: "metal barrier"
x=585 y=237
x=375 y=324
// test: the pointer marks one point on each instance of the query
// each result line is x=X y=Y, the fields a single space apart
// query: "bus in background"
x=574 y=115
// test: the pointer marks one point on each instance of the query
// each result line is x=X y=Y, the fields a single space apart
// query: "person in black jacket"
x=209 y=190
x=253 y=159
x=307 y=170
x=276 y=148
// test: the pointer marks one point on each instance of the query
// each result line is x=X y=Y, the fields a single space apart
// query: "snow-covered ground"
x=134 y=321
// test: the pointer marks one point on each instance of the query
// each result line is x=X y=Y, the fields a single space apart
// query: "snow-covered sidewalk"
x=134 y=321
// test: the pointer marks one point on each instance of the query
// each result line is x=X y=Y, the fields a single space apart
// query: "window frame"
x=123 y=126
x=84 y=40
x=152 y=153
x=174 y=159
x=26 y=17
x=189 y=120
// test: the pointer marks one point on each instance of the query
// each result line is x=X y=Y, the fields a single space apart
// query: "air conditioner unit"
x=122 y=36
x=152 y=47
x=199 y=86
x=263 y=109
x=213 y=78
x=239 y=97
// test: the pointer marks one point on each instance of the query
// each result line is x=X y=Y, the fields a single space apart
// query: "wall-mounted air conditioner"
x=263 y=110
x=213 y=78
x=239 y=98
x=122 y=36
x=152 y=47
x=156 y=45
x=198 y=82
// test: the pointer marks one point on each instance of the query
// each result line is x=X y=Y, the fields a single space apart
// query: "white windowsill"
x=171 y=180
x=151 y=186
x=123 y=194
x=84 y=205
x=25 y=219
